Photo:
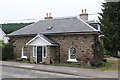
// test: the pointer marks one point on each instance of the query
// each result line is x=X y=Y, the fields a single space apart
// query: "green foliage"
x=7 y=52
x=109 y=65
x=98 y=55
x=24 y=61
x=0 y=53
x=110 y=26
x=1 y=43
x=99 y=51
x=96 y=63
x=10 y=27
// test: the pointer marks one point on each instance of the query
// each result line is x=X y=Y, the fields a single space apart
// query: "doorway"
x=39 y=54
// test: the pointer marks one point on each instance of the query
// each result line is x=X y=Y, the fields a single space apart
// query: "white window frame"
x=34 y=51
x=43 y=51
x=23 y=52
x=69 y=59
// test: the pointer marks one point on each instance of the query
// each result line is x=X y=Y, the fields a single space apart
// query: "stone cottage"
x=59 y=40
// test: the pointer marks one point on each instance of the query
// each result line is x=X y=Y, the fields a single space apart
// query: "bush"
x=96 y=63
x=0 y=53
x=98 y=55
x=7 y=52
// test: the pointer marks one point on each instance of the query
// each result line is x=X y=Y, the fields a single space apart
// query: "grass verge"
x=109 y=65
x=24 y=61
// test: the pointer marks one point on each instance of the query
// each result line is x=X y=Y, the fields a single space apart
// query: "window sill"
x=24 y=57
x=72 y=60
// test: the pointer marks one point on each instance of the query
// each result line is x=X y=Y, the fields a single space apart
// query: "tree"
x=110 y=26
x=7 y=51
x=10 y=27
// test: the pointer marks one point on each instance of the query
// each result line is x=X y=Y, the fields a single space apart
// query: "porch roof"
x=41 y=40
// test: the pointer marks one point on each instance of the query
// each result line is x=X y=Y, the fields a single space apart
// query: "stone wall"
x=54 y=54
x=18 y=43
x=82 y=42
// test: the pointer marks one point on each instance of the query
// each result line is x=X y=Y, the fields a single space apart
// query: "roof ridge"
x=57 y=18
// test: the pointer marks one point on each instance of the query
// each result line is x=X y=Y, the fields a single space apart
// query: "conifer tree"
x=110 y=26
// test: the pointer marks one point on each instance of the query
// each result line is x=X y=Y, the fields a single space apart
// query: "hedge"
x=7 y=51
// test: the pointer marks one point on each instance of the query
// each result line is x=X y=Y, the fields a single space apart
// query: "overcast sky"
x=37 y=9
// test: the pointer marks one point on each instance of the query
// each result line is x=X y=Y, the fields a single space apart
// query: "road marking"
x=26 y=66
x=73 y=71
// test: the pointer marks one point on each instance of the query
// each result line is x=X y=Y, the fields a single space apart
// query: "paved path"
x=66 y=70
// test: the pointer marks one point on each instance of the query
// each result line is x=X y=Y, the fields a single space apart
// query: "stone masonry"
x=82 y=42
x=18 y=43
x=55 y=54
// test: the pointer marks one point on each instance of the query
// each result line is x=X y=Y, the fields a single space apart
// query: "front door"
x=39 y=54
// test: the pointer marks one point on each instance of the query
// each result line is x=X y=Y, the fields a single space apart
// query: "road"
x=10 y=72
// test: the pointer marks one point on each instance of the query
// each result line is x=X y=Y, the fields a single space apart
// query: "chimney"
x=48 y=16
x=84 y=15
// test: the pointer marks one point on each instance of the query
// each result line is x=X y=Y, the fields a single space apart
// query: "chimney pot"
x=85 y=11
x=84 y=15
x=82 y=11
x=48 y=16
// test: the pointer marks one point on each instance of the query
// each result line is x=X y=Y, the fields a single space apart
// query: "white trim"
x=45 y=40
x=23 y=53
x=43 y=51
x=33 y=51
x=31 y=40
x=37 y=37
x=36 y=54
x=69 y=53
x=70 y=60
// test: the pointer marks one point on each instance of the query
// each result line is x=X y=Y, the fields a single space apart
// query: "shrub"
x=98 y=55
x=96 y=63
x=0 y=53
x=7 y=52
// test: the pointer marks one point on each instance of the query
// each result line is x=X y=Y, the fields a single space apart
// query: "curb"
x=41 y=70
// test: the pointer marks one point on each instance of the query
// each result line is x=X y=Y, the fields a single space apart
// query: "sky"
x=30 y=10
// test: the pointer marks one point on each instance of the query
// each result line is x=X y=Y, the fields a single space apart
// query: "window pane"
x=72 y=53
x=44 y=51
x=35 y=51
x=24 y=51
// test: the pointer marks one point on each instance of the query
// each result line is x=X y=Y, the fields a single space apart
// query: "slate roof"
x=54 y=26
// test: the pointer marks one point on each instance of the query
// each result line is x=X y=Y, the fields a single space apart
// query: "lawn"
x=109 y=65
